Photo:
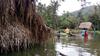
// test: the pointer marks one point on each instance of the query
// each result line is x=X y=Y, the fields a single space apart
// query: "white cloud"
x=69 y=5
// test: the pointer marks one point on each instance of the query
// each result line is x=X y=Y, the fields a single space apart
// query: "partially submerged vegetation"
x=41 y=50
x=20 y=25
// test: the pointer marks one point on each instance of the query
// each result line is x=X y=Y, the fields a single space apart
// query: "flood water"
x=63 y=47
x=76 y=47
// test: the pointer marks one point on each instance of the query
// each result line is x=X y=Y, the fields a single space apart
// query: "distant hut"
x=86 y=25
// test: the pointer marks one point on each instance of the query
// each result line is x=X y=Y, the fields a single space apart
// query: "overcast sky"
x=70 y=5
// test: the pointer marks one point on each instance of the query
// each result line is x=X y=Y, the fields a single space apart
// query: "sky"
x=70 y=5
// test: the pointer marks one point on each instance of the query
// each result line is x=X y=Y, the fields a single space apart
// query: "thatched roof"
x=86 y=25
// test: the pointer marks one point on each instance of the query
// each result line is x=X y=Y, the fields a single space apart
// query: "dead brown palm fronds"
x=20 y=25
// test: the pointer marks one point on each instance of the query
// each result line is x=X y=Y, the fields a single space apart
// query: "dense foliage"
x=52 y=19
x=95 y=18
x=68 y=19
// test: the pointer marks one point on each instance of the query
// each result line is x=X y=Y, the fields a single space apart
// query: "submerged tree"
x=20 y=25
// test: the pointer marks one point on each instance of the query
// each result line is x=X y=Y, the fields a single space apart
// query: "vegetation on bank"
x=67 y=19
x=42 y=50
x=20 y=25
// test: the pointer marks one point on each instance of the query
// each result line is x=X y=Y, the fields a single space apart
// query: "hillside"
x=85 y=11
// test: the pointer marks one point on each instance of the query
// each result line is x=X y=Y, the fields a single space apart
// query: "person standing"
x=67 y=31
x=58 y=35
x=82 y=33
x=85 y=37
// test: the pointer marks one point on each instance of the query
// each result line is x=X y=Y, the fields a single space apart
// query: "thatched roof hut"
x=87 y=25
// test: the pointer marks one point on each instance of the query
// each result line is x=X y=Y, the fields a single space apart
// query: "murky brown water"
x=64 y=47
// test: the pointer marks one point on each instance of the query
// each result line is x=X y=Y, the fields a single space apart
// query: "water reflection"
x=77 y=47
x=71 y=50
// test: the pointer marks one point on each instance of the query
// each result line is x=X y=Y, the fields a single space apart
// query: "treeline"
x=49 y=13
x=95 y=17
x=67 y=19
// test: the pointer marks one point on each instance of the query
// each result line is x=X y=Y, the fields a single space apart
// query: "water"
x=77 y=47
x=63 y=47
x=72 y=49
